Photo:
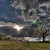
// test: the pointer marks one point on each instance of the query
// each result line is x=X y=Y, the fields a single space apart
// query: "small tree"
x=39 y=29
x=43 y=33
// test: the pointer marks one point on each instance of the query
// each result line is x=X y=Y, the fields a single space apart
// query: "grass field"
x=9 y=45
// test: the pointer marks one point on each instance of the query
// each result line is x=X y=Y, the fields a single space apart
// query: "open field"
x=9 y=45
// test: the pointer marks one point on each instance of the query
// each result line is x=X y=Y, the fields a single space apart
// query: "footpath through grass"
x=9 y=45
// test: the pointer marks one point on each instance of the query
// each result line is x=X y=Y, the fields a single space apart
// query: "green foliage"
x=35 y=23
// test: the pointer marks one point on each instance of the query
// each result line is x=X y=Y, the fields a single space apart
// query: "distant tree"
x=1 y=36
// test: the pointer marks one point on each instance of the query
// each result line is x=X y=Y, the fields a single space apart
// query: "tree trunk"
x=43 y=37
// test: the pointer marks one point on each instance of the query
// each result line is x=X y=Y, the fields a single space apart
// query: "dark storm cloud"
x=8 y=13
x=42 y=1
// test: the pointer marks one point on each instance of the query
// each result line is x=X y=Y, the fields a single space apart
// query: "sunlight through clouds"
x=18 y=27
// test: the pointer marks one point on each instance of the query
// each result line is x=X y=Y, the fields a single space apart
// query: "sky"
x=9 y=14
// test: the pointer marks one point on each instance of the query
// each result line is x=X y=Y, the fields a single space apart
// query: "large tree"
x=39 y=29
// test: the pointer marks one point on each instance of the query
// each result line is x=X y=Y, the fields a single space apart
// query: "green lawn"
x=9 y=45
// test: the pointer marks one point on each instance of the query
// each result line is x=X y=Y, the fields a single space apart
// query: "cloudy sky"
x=9 y=14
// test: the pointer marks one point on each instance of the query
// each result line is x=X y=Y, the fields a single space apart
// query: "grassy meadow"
x=12 y=45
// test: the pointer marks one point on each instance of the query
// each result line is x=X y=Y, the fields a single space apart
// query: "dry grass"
x=9 y=45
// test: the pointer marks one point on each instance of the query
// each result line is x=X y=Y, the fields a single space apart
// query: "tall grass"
x=9 y=45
